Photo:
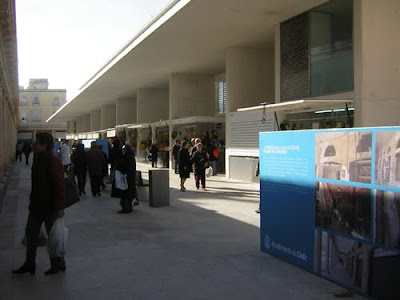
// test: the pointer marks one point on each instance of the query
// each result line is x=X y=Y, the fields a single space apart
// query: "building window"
x=317 y=52
x=23 y=117
x=35 y=100
x=221 y=97
x=331 y=48
x=36 y=116
x=56 y=101
x=23 y=101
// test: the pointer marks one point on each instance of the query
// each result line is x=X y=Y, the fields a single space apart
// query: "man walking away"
x=95 y=161
x=18 y=151
x=27 y=149
x=175 y=151
x=46 y=202
x=65 y=155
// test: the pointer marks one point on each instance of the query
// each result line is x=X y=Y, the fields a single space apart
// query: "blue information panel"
x=330 y=203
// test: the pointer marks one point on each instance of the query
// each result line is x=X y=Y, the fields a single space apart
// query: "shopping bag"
x=209 y=171
x=121 y=181
x=58 y=237
x=70 y=190
x=42 y=241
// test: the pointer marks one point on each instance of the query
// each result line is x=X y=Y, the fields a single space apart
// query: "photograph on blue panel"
x=387 y=218
x=387 y=162
x=343 y=156
x=359 y=266
x=344 y=209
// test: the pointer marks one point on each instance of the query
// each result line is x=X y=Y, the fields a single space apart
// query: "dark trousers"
x=126 y=204
x=154 y=162
x=200 y=175
x=27 y=158
x=18 y=155
x=176 y=166
x=95 y=183
x=81 y=182
x=32 y=231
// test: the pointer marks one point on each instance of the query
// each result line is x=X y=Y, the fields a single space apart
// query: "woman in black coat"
x=126 y=165
x=78 y=159
x=184 y=164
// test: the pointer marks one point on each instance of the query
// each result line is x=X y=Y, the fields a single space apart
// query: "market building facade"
x=251 y=67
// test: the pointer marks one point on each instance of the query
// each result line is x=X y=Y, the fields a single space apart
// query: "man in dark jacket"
x=46 y=202
x=175 y=151
x=95 y=161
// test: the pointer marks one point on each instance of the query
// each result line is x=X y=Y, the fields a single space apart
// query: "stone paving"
x=205 y=245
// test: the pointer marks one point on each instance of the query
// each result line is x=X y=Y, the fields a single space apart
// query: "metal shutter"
x=294 y=41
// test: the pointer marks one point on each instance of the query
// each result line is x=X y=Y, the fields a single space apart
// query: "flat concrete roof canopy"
x=189 y=37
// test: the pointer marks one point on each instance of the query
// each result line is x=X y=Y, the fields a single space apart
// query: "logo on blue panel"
x=267 y=242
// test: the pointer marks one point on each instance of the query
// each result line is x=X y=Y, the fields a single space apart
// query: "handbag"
x=70 y=190
x=121 y=181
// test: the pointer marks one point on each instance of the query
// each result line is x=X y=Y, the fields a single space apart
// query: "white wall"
x=126 y=111
x=377 y=62
x=152 y=105
x=191 y=95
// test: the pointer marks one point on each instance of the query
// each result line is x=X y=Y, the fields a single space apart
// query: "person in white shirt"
x=65 y=155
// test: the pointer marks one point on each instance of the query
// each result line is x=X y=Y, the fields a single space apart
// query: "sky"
x=67 y=41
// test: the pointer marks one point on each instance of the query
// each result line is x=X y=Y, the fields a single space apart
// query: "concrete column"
x=250 y=77
x=95 y=120
x=152 y=105
x=376 y=62
x=71 y=126
x=191 y=95
x=86 y=123
x=108 y=116
x=79 y=125
x=250 y=80
x=126 y=111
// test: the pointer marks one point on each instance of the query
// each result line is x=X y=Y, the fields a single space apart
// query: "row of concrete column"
x=249 y=77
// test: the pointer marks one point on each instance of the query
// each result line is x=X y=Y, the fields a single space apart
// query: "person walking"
x=127 y=166
x=65 y=155
x=27 y=149
x=184 y=164
x=154 y=155
x=79 y=166
x=175 y=151
x=194 y=142
x=115 y=156
x=200 y=163
x=18 y=151
x=105 y=167
x=213 y=152
x=46 y=202
x=95 y=162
